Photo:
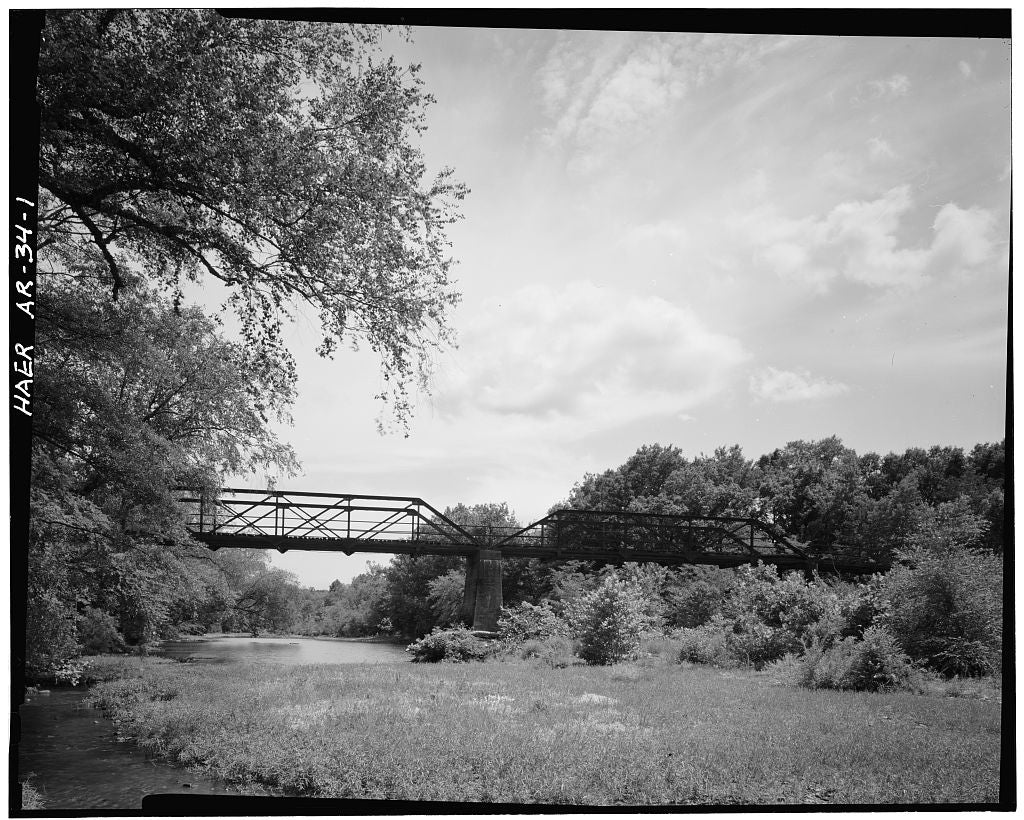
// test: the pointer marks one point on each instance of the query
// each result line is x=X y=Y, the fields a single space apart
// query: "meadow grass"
x=520 y=731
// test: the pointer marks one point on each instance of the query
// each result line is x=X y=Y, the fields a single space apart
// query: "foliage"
x=872 y=663
x=943 y=601
x=354 y=609
x=51 y=636
x=458 y=645
x=135 y=398
x=608 y=623
x=706 y=644
x=807 y=488
x=445 y=594
x=555 y=651
x=266 y=602
x=406 y=582
x=772 y=616
x=695 y=604
x=98 y=633
x=275 y=157
x=527 y=622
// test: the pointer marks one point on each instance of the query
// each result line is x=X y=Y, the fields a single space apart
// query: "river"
x=70 y=753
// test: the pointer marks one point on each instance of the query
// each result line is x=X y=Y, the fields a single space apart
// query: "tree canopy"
x=277 y=157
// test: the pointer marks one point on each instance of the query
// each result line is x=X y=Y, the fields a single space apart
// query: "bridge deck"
x=406 y=525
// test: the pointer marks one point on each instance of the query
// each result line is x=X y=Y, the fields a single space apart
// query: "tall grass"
x=521 y=731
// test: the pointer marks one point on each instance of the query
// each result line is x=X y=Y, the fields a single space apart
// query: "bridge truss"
x=352 y=523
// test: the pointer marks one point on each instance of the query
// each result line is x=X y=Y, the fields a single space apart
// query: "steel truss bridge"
x=328 y=522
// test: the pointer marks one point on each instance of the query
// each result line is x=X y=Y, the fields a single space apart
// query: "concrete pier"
x=481 y=603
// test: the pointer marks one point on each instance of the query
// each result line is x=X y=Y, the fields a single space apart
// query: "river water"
x=70 y=753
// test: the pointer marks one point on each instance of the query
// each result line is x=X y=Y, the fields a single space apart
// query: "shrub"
x=755 y=643
x=859 y=607
x=609 y=622
x=51 y=650
x=790 y=603
x=556 y=651
x=98 y=633
x=660 y=648
x=706 y=644
x=943 y=602
x=874 y=663
x=451 y=645
x=526 y=622
x=695 y=604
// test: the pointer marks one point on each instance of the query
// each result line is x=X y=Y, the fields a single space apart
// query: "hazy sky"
x=689 y=239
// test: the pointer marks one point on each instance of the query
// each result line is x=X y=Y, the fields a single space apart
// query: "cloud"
x=879 y=149
x=898 y=85
x=963 y=239
x=670 y=232
x=860 y=241
x=965 y=69
x=602 y=91
x=775 y=385
x=596 y=356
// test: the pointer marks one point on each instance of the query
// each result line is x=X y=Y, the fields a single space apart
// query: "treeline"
x=147 y=187
x=822 y=493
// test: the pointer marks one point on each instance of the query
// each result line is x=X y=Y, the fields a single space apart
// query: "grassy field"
x=519 y=731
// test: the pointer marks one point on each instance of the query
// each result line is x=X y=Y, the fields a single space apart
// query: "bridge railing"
x=278 y=515
x=604 y=532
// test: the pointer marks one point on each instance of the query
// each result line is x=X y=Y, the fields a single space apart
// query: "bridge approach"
x=350 y=523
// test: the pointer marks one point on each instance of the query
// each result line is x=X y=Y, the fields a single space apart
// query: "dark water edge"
x=70 y=754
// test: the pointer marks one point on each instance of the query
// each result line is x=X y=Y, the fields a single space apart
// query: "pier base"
x=481 y=602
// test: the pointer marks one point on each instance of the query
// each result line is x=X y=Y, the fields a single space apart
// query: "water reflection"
x=71 y=755
x=291 y=651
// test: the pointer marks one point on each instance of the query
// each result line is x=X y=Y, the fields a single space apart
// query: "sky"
x=687 y=239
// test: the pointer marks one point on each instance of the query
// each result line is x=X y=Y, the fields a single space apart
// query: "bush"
x=608 y=623
x=943 y=602
x=526 y=622
x=754 y=643
x=695 y=604
x=706 y=644
x=51 y=648
x=98 y=633
x=457 y=645
x=556 y=651
x=874 y=663
x=789 y=603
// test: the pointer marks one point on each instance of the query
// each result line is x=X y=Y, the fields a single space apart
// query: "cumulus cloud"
x=860 y=241
x=583 y=352
x=771 y=384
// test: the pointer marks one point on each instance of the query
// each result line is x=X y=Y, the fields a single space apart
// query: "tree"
x=608 y=623
x=134 y=399
x=642 y=476
x=275 y=157
x=943 y=600
x=807 y=489
x=445 y=596
x=408 y=583
x=714 y=485
x=267 y=602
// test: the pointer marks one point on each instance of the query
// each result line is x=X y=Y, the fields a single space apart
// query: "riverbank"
x=69 y=760
x=519 y=731
x=388 y=639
